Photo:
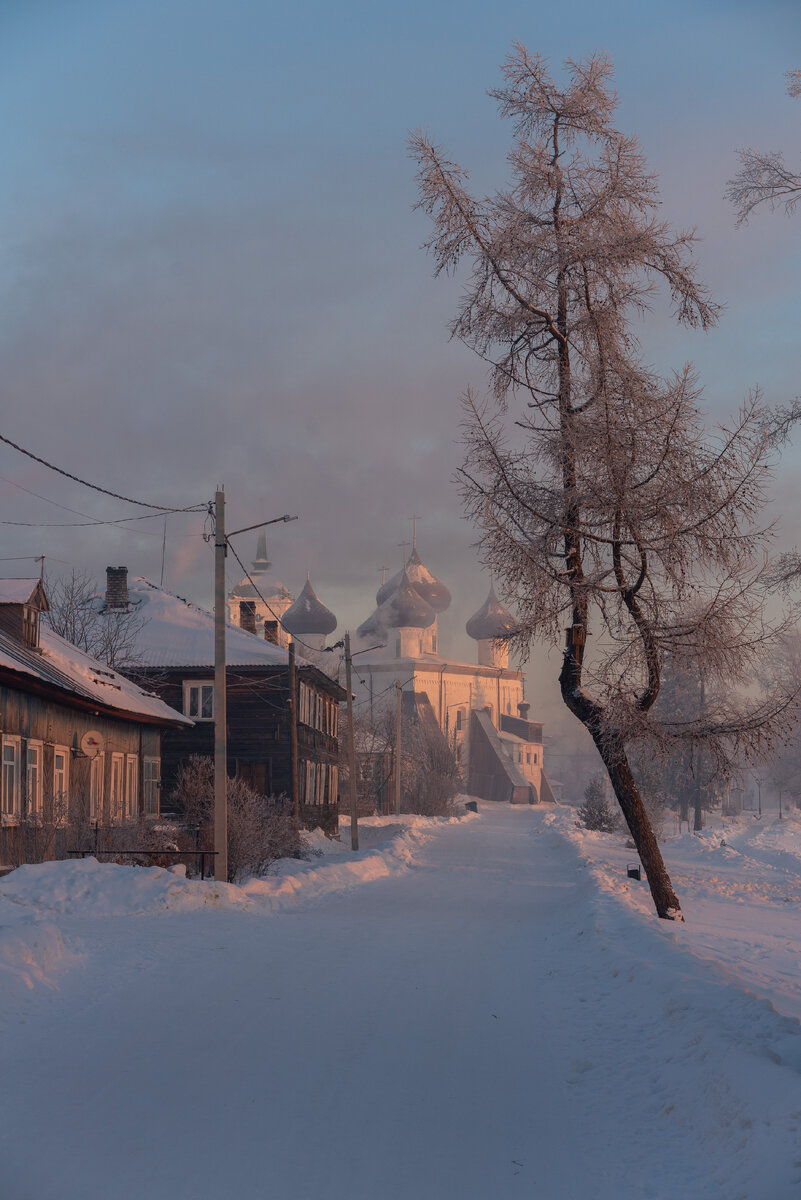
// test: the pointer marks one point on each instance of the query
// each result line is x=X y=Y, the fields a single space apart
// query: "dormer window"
x=30 y=626
x=21 y=602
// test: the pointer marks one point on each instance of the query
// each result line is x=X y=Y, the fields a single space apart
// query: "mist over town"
x=400 y=671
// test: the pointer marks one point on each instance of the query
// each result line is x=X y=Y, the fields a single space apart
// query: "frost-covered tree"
x=764 y=177
x=110 y=636
x=606 y=508
x=596 y=812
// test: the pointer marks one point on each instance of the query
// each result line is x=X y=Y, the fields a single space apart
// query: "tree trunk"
x=665 y=899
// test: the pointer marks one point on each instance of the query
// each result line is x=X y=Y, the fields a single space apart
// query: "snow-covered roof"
x=177 y=633
x=17 y=591
x=59 y=664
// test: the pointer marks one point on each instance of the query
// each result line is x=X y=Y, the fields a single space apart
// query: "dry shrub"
x=260 y=828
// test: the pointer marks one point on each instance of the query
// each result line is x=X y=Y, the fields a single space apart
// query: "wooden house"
x=175 y=658
x=79 y=742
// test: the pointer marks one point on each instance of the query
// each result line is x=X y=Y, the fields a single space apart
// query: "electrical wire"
x=94 y=486
x=264 y=602
x=89 y=521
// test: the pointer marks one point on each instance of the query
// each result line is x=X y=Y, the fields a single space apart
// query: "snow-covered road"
x=485 y=1023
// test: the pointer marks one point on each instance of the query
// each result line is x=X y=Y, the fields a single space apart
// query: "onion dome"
x=424 y=583
x=492 y=620
x=428 y=586
x=405 y=608
x=308 y=614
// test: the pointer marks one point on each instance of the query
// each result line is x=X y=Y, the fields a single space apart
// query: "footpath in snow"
x=478 y=1009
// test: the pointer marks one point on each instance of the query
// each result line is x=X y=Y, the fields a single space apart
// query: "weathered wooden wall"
x=258 y=734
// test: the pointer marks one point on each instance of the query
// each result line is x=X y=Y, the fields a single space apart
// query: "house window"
x=131 y=787
x=11 y=778
x=199 y=699
x=116 y=799
x=96 y=771
x=33 y=779
x=151 y=771
x=458 y=718
x=528 y=756
x=61 y=759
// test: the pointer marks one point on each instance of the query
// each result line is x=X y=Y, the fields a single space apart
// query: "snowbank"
x=86 y=887
x=32 y=952
x=739 y=885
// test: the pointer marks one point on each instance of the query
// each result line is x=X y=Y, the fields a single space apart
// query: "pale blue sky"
x=210 y=268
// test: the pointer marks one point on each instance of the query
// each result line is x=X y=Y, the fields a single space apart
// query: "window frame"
x=34 y=805
x=197 y=685
x=61 y=796
x=97 y=780
x=151 y=782
x=11 y=814
x=116 y=788
x=131 y=807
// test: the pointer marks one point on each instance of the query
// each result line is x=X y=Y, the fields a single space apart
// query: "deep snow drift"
x=481 y=1009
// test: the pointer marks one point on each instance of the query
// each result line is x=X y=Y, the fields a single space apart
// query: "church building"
x=480 y=707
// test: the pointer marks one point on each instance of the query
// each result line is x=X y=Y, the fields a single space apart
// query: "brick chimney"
x=522 y=707
x=271 y=632
x=247 y=615
x=116 y=587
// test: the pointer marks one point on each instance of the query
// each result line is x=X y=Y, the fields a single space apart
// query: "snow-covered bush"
x=260 y=828
x=596 y=812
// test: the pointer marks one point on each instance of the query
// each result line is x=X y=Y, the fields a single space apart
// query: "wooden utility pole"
x=399 y=691
x=354 y=812
x=293 y=736
x=220 y=726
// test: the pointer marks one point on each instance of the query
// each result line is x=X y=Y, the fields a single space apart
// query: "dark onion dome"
x=405 y=608
x=492 y=620
x=423 y=582
x=308 y=614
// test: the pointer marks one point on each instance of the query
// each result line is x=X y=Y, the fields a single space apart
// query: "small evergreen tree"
x=596 y=812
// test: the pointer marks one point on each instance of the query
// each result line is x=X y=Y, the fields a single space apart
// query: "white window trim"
x=199 y=684
x=12 y=816
x=131 y=787
x=61 y=796
x=34 y=804
x=96 y=794
x=116 y=795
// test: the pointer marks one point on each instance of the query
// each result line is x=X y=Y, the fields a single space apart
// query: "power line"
x=94 y=486
x=264 y=602
x=79 y=524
